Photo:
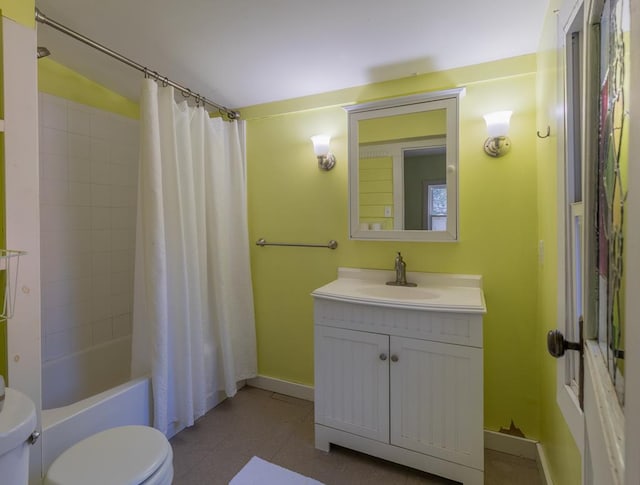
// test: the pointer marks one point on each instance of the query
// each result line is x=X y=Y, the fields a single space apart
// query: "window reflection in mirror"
x=403 y=168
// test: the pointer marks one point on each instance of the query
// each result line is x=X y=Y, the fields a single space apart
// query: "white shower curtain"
x=193 y=318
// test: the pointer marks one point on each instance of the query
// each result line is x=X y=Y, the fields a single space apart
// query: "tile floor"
x=279 y=429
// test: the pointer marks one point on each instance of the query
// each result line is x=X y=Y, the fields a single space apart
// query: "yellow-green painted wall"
x=291 y=200
x=558 y=443
x=59 y=80
x=375 y=176
x=22 y=11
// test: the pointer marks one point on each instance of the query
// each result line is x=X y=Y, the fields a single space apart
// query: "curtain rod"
x=43 y=19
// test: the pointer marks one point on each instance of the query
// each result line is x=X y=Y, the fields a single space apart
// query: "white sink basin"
x=434 y=291
x=398 y=292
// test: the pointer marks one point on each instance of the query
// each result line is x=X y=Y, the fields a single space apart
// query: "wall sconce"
x=326 y=160
x=497 y=127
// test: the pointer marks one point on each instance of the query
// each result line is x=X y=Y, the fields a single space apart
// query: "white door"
x=600 y=240
x=352 y=381
x=434 y=400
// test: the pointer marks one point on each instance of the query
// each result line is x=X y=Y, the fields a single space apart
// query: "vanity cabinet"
x=403 y=384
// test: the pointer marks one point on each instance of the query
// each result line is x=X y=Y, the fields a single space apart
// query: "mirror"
x=403 y=168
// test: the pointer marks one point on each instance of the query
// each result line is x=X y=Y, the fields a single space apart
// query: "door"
x=436 y=400
x=598 y=232
x=352 y=381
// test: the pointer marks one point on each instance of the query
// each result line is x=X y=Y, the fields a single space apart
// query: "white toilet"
x=126 y=455
x=17 y=423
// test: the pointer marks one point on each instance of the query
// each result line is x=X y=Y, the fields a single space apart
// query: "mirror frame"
x=448 y=100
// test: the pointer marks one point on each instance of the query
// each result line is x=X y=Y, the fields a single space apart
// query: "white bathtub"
x=83 y=374
x=128 y=403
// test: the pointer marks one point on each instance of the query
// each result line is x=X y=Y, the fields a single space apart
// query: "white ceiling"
x=244 y=52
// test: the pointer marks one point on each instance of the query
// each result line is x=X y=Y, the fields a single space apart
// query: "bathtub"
x=80 y=375
x=62 y=427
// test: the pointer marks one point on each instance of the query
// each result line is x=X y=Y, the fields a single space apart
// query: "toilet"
x=126 y=455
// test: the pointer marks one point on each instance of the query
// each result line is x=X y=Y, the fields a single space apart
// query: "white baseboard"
x=543 y=465
x=282 y=387
x=513 y=445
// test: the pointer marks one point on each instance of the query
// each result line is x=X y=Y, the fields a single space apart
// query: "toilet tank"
x=17 y=423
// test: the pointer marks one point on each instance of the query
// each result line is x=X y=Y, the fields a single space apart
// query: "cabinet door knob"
x=394 y=358
x=383 y=356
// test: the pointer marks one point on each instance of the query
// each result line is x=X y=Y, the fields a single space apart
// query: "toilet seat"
x=127 y=455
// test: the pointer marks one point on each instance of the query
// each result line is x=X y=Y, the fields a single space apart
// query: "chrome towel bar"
x=331 y=245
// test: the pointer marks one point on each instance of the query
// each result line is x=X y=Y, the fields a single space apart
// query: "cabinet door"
x=436 y=400
x=352 y=381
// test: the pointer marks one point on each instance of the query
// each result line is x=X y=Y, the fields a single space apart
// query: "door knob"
x=383 y=356
x=394 y=358
x=557 y=345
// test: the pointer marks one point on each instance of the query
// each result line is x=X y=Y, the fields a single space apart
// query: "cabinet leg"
x=322 y=442
x=476 y=477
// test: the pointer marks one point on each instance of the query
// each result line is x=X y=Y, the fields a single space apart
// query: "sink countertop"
x=435 y=291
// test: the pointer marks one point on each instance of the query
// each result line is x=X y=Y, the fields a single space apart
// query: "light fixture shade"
x=497 y=123
x=321 y=144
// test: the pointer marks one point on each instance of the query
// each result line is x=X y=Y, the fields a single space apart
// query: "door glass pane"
x=612 y=184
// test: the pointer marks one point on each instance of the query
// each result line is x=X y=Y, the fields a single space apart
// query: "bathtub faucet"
x=401 y=273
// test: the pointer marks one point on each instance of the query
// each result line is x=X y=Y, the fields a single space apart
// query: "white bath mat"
x=260 y=472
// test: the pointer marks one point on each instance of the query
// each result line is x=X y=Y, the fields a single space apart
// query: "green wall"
x=558 y=443
x=22 y=11
x=59 y=80
x=291 y=200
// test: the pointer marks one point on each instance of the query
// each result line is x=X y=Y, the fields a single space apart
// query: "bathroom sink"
x=434 y=292
x=398 y=292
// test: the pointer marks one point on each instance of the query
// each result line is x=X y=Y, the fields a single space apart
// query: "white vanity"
x=398 y=370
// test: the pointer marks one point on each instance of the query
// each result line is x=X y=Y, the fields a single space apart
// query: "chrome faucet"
x=401 y=273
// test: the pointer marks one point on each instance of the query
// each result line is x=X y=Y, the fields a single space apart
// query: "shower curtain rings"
x=146 y=73
x=165 y=82
x=187 y=93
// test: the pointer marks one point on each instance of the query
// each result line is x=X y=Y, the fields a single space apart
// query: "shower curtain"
x=193 y=319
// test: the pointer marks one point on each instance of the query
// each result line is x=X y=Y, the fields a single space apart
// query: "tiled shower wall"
x=88 y=186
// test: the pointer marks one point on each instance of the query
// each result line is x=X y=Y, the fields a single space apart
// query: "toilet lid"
x=126 y=455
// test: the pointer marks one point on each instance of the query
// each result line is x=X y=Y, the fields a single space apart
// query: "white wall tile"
x=103 y=125
x=89 y=170
x=123 y=196
x=121 y=303
x=79 y=146
x=79 y=194
x=122 y=239
x=54 y=167
x=123 y=218
x=122 y=325
x=78 y=119
x=53 y=112
x=122 y=260
x=79 y=170
x=101 y=173
x=100 y=150
x=54 y=192
x=100 y=195
x=100 y=240
x=54 y=218
x=100 y=307
x=102 y=331
x=101 y=218
x=122 y=282
x=54 y=142
x=80 y=217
